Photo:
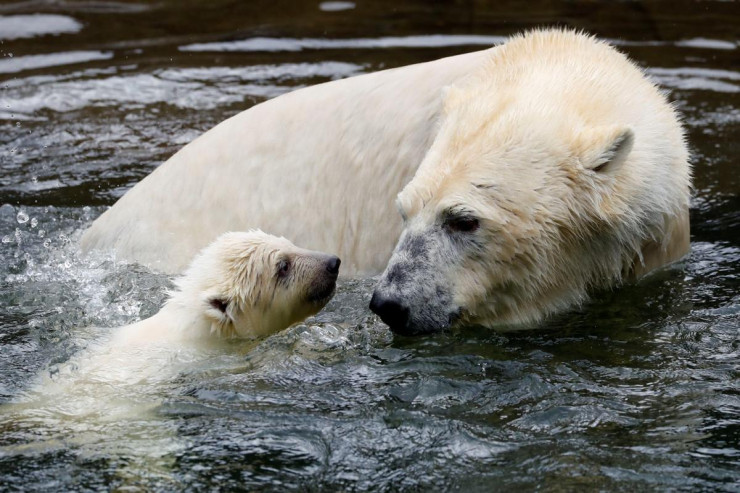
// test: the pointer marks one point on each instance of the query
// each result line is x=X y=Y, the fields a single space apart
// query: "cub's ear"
x=218 y=309
x=604 y=149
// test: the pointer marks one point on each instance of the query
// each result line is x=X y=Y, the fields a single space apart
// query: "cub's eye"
x=462 y=224
x=283 y=268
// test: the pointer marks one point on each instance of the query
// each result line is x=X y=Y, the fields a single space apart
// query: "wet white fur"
x=237 y=269
x=321 y=165
x=117 y=383
x=576 y=164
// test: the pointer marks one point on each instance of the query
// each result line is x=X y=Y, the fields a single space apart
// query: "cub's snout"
x=332 y=265
x=325 y=279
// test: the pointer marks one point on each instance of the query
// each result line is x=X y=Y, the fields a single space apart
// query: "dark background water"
x=638 y=390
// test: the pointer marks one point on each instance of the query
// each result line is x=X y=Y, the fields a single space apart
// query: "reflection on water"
x=288 y=44
x=638 y=390
x=30 y=62
x=690 y=79
x=186 y=88
x=29 y=26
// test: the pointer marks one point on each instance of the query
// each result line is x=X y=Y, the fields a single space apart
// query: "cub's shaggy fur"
x=242 y=285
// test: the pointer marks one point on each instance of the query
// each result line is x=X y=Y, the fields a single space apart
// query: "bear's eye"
x=462 y=224
x=283 y=268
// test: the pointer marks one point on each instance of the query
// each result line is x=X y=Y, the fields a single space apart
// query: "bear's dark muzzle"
x=392 y=312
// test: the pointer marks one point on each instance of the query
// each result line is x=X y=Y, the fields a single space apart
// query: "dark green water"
x=637 y=391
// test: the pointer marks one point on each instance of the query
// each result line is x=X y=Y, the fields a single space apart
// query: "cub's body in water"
x=242 y=286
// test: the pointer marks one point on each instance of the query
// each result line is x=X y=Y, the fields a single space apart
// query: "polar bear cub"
x=243 y=285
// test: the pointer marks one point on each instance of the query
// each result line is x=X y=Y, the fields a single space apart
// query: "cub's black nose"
x=390 y=311
x=332 y=265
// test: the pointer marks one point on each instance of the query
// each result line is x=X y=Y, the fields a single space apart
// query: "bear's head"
x=251 y=284
x=519 y=207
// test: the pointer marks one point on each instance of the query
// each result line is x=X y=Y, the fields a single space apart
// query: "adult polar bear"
x=550 y=166
x=558 y=168
x=321 y=166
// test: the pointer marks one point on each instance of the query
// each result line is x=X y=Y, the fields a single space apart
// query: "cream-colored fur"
x=242 y=285
x=576 y=168
x=234 y=288
x=321 y=165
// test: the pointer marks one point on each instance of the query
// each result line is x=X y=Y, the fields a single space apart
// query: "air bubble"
x=34 y=222
x=22 y=217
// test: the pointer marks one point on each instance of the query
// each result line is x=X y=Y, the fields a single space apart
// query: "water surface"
x=637 y=390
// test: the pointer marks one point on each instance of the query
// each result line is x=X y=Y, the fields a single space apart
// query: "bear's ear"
x=218 y=310
x=605 y=149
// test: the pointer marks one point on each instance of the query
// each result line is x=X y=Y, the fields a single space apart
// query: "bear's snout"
x=325 y=272
x=332 y=265
x=391 y=312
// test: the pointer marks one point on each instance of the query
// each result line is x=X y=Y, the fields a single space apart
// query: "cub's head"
x=252 y=284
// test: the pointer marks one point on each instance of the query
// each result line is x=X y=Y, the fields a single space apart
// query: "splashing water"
x=637 y=390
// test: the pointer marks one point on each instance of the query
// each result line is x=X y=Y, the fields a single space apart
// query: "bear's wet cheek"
x=321 y=289
x=397 y=274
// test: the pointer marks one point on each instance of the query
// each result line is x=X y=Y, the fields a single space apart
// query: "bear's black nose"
x=390 y=311
x=332 y=265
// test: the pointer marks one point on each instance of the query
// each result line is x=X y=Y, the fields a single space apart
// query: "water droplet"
x=7 y=213
x=22 y=217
